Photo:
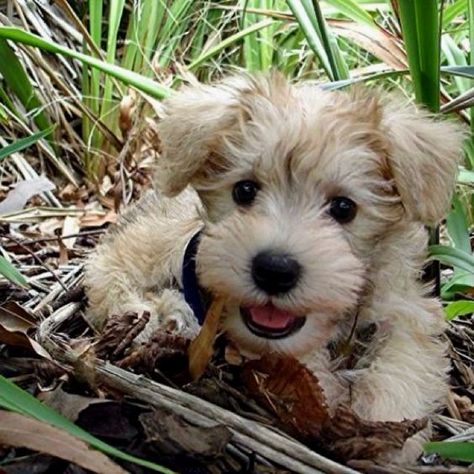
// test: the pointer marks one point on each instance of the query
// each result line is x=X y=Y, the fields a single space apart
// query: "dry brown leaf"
x=97 y=220
x=15 y=322
x=290 y=390
x=201 y=348
x=21 y=431
x=69 y=405
x=376 y=41
x=173 y=435
x=349 y=437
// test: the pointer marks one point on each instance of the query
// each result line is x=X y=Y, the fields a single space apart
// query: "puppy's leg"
x=407 y=377
x=136 y=266
x=405 y=374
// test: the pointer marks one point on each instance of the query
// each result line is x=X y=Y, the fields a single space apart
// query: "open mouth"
x=271 y=322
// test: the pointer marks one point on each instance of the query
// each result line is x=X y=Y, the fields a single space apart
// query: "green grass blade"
x=131 y=78
x=458 y=308
x=18 y=81
x=459 y=450
x=16 y=399
x=177 y=22
x=227 y=42
x=11 y=273
x=453 y=257
x=251 y=47
x=462 y=71
x=452 y=11
x=420 y=28
x=457 y=226
x=353 y=10
x=115 y=14
x=455 y=57
x=23 y=143
x=95 y=28
x=309 y=27
x=339 y=70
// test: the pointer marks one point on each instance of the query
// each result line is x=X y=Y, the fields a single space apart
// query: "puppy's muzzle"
x=275 y=273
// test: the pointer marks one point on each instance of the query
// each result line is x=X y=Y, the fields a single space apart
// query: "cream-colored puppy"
x=307 y=209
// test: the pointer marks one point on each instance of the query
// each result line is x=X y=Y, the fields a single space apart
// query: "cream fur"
x=304 y=146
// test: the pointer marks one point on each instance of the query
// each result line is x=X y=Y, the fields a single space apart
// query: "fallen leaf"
x=15 y=322
x=350 y=437
x=202 y=347
x=174 y=436
x=71 y=226
x=291 y=391
x=68 y=404
x=98 y=220
x=23 y=191
x=22 y=431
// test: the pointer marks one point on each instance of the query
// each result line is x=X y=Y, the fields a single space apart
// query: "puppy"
x=306 y=209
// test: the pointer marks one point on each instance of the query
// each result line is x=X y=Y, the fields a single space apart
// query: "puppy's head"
x=299 y=184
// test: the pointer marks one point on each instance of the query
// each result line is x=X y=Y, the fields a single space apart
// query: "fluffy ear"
x=195 y=119
x=423 y=154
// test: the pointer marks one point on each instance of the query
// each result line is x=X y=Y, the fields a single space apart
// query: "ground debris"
x=119 y=334
x=172 y=435
x=292 y=392
x=349 y=437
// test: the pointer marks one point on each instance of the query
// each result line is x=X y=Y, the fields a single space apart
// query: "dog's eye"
x=244 y=192
x=342 y=209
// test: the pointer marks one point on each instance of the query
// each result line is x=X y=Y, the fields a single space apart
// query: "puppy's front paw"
x=169 y=313
x=410 y=452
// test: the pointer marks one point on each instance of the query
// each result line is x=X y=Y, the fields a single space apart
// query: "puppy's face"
x=299 y=184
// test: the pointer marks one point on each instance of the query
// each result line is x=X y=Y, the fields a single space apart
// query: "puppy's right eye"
x=244 y=192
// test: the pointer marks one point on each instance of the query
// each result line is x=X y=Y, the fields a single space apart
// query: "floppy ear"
x=423 y=154
x=195 y=119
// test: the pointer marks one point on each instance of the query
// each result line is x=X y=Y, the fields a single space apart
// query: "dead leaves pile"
x=282 y=385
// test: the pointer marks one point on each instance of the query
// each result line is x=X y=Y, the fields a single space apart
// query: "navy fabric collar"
x=191 y=290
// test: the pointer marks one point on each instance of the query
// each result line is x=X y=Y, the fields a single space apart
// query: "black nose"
x=275 y=272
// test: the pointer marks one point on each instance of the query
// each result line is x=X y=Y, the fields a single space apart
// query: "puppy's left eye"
x=342 y=209
x=244 y=192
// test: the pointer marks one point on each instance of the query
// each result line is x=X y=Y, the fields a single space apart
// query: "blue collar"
x=191 y=290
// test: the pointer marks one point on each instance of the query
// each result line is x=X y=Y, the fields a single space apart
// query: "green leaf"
x=24 y=143
x=458 y=308
x=115 y=14
x=459 y=450
x=131 y=78
x=464 y=71
x=353 y=11
x=15 y=399
x=452 y=11
x=466 y=176
x=453 y=257
x=11 y=273
x=420 y=31
x=228 y=41
x=458 y=228
x=309 y=26
x=18 y=81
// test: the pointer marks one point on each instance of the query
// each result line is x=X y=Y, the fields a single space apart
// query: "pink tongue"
x=270 y=317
